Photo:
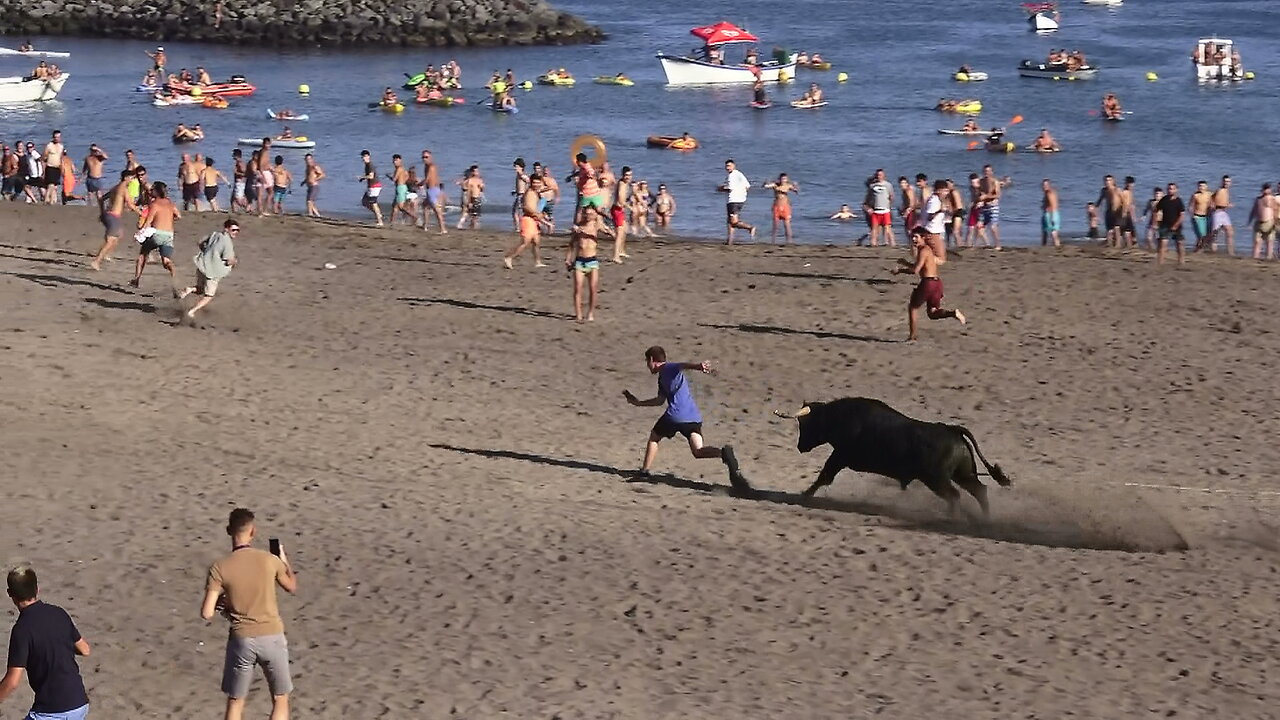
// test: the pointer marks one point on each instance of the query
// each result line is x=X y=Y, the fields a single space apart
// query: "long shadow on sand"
x=429 y=261
x=1060 y=533
x=122 y=305
x=468 y=305
x=54 y=281
x=778 y=330
x=47 y=261
x=821 y=276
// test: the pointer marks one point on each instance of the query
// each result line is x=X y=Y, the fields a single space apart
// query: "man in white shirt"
x=934 y=220
x=736 y=185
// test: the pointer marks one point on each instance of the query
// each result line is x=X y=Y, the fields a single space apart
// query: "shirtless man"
x=587 y=180
x=202 y=76
x=929 y=291
x=782 y=188
x=158 y=231
x=158 y=59
x=112 y=208
x=432 y=197
x=621 y=190
x=582 y=262
x=989 y=190
x=1201 y=205
x=1045 y=142
x=1051 y=219
x=53 y=152
x=959 y=213
x=530 y=230
x=399 y=176
x=282 y=180
x=238 y=174
x=1128 y=208
x=1221 y=220
x=908 y=205
x=189 y=173
x=472 y=200
x=93 y=173
x=373 y=187
x=311 y=181
x=1266 y=208
x=210 y=178
x=517 y=193
x=1109 y=199
x=550 y=196
x=1111 y=107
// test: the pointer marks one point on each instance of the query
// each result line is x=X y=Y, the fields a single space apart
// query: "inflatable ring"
x=594 y=148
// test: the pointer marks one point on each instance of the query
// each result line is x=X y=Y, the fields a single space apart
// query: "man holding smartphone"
x=242 y=586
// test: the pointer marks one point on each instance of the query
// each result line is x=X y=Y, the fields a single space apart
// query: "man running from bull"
x=929 y=291
x=682 y=415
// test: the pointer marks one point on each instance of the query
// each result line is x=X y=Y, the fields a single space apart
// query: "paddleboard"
x=1041 y=152
x=762 y=106
x=1114 y=119
x=297 y=118
x=510 y=110
x=295 y=144
x=971 y=132
x=807 y=106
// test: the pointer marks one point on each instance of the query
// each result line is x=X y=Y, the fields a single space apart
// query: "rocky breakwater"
x=304 y=22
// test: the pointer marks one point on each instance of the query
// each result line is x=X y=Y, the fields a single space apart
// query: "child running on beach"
x=682 y=415
x=929 y=291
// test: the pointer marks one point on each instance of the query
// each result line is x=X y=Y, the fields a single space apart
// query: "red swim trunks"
x=973 y=217
x=782 y=211
x=928 y=293
x=909 y=220
x=881 y=219
x=619 y=215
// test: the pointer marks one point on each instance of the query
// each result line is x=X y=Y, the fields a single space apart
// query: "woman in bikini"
x=581 y=261
x=664 y=207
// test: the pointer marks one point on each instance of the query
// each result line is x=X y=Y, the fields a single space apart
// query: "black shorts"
x=732 y=209
x=1171 y=233
x=191 y=191
x=1126 y=224
x=52 y=176
x=665 y=428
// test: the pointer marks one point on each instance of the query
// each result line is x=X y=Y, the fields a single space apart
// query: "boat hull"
x=1051 y=74
x=1043 y=22
x=1216 y=72
x=687 y=71
x=16 y=89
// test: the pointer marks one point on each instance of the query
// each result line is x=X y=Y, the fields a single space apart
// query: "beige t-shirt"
x=248 y=578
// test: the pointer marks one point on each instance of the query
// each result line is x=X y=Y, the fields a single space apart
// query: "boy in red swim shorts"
x=929 y=291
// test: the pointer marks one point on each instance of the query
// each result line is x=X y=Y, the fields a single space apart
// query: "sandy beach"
x=448 y=458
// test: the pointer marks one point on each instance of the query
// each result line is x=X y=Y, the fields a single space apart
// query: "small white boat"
x=25 y=89
x=1214 y=59
x=1044 y=22
x=298 y=143
x=1029 y=69
x=711 y=69
x=1104 y=3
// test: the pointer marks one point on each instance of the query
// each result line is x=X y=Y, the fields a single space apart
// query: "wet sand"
x=447 y=457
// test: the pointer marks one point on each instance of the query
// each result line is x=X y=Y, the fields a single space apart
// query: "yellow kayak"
x=555 y=80
x=607 y=80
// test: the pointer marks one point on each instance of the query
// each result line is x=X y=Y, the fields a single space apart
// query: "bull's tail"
x=994 y=470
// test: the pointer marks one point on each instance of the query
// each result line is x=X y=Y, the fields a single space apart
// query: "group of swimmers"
x=1073 y=60
x=184 y=134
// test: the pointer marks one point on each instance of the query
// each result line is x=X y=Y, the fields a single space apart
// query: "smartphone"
x=274 y=546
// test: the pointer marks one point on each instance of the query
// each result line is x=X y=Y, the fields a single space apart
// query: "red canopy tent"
x=723 y=33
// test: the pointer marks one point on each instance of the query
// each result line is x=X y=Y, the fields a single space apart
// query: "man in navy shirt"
x=682 y=414
x=44 y=643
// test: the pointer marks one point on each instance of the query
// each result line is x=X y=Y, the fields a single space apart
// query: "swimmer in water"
x=1045 y=142
x=843 y=214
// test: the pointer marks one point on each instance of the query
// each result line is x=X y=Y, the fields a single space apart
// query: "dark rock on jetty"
x=304 y=22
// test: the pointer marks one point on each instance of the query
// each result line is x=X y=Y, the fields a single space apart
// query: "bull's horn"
x=796 y=415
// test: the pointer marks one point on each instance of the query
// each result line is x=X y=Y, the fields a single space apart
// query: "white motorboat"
x=710 y=67
x=1044 y=22
x=28 y=89
x=1030 y=69
x=1217 y=59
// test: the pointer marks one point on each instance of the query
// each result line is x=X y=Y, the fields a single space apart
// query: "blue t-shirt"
x=43 y=641
x=674 y=388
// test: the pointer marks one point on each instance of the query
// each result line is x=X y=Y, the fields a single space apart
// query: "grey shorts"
x=269 y=651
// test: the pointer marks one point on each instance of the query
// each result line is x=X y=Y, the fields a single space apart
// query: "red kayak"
x=228 y=89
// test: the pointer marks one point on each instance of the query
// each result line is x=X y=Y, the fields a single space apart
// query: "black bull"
x=869 y=436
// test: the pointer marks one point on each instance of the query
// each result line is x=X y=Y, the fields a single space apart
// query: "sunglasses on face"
x=234 y=229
